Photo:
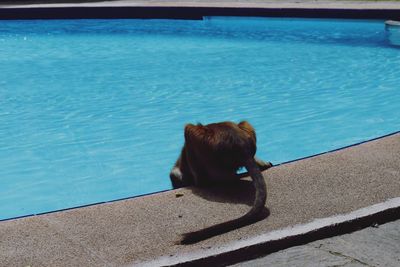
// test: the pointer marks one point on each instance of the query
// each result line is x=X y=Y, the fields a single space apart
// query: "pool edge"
x=167 y=190
x=191 y=12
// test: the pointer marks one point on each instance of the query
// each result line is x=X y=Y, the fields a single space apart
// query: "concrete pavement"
x=196 y=9
x=373 y=246
x=209 y=3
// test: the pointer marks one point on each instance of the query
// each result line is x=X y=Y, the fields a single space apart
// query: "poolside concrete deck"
x=210 y=3
x=143 y=231
x=196 y=9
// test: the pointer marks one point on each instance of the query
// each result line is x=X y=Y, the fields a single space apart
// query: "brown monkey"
x=212 y=154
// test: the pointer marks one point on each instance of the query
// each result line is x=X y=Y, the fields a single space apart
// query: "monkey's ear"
x=195 y=133
x=245 y=126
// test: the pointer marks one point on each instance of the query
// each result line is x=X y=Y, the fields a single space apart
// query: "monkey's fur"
x=212 y=154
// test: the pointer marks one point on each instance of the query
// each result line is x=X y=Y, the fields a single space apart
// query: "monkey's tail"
x=254 y=215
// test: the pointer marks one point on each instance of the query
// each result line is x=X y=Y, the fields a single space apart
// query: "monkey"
x=211 y=155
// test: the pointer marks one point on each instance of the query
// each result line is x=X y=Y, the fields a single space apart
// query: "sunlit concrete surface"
x=210 y=3
x=144 y=230
x=197 y=9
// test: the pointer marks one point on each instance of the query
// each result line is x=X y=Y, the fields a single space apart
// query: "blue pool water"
x=93 y=110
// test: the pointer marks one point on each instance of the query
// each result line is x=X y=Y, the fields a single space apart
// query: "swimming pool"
x=93 y=110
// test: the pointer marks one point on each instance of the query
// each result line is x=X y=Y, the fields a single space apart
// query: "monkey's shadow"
x=236 y=192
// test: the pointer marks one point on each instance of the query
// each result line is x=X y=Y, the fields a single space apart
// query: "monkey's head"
x=225 y=145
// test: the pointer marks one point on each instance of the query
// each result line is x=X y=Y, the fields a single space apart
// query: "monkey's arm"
x=176 y=177
x=185 y=171
x=263 y=165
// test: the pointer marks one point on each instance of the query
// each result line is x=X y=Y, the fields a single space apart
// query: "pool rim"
x=162 y=191
x=64 y=11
